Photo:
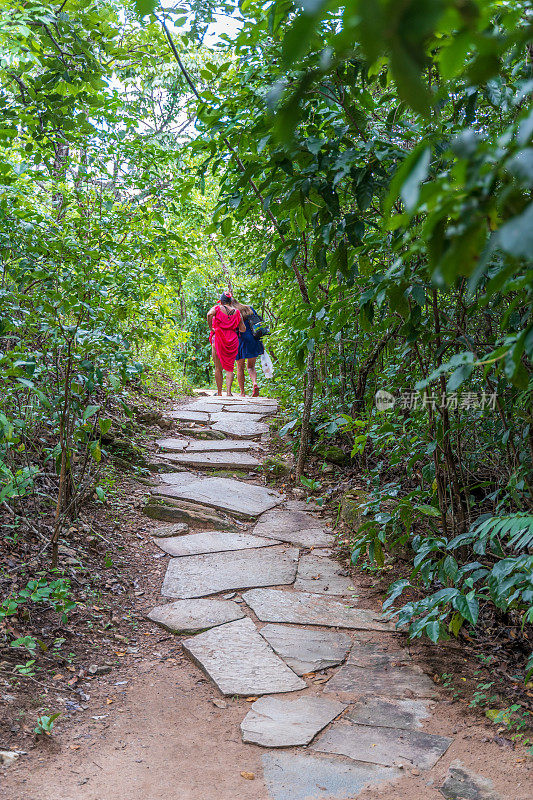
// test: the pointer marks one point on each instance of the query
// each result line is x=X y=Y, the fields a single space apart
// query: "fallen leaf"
x=309 y=675
x=248 y=775
x=58 y=677
x=322 y=680
x=109 y=701
x=251 y=699
x=74 y=746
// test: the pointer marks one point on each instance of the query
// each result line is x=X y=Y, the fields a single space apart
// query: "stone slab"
x=307 y=650
x=279 y=722
x=385 y=713
x=212 y=542
x=301 y=505
x=232 y=416
x=201 y=575
x=201 y=432
x=237 y=399
x=215 y=460
x=322 y=576
x=244 y=499
x=374 y=654
x=169 y=510
x=174 y=444
x=208 y=405
x=170 y=530
x=404 y=681
x=250 y=408
x=297 y=527
x=314 y=537
x=385 y=746
x=301 y=776
x=179 y=479
x=240 y=425
x=189 y=616
x=189 y=416
x=239 y=661
x=306 y=608
x=461 y=784
x=281 y=519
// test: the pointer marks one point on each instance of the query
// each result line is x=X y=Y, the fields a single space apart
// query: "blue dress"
x=249 y=346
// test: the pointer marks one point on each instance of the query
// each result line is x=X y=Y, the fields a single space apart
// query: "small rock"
x=333 y=454
x=248 y=775
x=94 y=669
x=220 y=703
x=7 y=757
x=276 y=467
x=177 y=529
x=351 y=511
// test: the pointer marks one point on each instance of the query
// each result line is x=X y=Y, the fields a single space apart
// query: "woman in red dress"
x=224 y=321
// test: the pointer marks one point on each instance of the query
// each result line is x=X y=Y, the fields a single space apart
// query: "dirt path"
x=162 y=728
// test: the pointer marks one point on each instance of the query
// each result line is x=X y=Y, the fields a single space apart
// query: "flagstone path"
x=361 y=705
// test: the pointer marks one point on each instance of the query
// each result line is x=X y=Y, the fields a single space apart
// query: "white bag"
x=267 y=366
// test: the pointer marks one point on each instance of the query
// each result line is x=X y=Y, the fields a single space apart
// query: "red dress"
x=225 y=336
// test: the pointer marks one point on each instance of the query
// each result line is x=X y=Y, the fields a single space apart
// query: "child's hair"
x=246 y=311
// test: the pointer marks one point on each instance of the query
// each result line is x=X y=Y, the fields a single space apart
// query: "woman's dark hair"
x=225 y=299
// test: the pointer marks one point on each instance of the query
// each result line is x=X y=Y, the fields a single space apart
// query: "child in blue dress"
x=250 y=349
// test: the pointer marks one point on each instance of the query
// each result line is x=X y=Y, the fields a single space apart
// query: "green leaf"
x=516 y=236
x=468 y=606
x=144 y=7
x=429 y=511
x=458 y=377
x=89 y=412
x=433 y=631
x=418 y=173
x=105 y=425
x=402 y=174
x=226 y=226
x=408 y=79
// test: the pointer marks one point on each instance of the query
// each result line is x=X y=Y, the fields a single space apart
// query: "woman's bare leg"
x=240 y=376
x=229 y=381
x=218 y=370
x=252 y=372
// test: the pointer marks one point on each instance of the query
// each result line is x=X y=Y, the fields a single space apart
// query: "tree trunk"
x=306 y=416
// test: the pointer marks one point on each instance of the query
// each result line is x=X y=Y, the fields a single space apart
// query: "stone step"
x=211 y=573
x=181 y=444
x=191 y=616
x=239 y=661
x=305 y=608
x=242 y=499
x=212 y=406
x=322 y=575
x=307 y=650
x=384 y=746
x=194 y=544
x=387 y=713
x=302 y=776
x=242 y=426
x=215 y=460
x=280 y=722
